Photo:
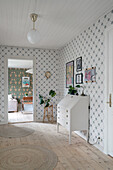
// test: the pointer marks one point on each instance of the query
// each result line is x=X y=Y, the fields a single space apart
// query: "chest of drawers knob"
x=66 y=123
x=66 y=110
x=66 y=115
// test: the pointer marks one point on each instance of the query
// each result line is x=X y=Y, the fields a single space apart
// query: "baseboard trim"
x=2 y=123
x=99 y=147
x=84 y=137
x=81 y=135
x=45 y=121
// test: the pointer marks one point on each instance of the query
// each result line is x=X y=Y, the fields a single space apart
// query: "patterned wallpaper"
x=46 y=60
x=15 y=82
x=90 y=45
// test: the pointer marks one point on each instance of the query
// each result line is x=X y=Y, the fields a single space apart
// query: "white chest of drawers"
x=73 y=113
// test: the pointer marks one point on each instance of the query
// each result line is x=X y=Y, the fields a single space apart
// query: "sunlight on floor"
x=20 y=117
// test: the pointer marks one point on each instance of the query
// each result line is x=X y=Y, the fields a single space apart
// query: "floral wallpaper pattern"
x=15 y=82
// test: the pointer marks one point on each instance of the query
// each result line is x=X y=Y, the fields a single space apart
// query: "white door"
x=110 y=92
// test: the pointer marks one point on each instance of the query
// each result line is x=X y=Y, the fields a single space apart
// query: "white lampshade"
x=30 y=71
x=33 y=36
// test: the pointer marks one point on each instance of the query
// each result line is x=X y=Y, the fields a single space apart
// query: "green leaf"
x=46 y=104
x=40 y=97
x=45 y=101
x=78 y=86
x=41 y=101
x=72 y=90
x=52 y=93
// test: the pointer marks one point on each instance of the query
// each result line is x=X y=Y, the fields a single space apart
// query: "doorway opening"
x=20 y=90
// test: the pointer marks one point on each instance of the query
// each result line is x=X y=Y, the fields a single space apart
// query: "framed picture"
x=79 y=78
x=70 y=74
x=25 y=81
x=90 y=75
x=79 y=64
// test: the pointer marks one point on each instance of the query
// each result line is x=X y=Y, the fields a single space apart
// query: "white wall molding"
x=106 y=44
x=90 y=141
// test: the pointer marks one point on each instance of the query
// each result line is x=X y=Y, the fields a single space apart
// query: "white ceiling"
x=59 y=20
x=13 y=63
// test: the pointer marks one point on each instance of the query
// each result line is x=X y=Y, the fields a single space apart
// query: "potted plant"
x=78 y=86
x=26 y=94
x=72 y=90
x=45 y=100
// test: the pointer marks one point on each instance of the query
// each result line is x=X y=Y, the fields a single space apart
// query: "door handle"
x=109 y=101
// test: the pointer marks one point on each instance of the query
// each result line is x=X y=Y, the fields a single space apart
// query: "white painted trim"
x=85 y=138
x=106 y=92
x=6 y=84
x=81 y=135
x=3 y=123
x=99 y=147
x=6 y=90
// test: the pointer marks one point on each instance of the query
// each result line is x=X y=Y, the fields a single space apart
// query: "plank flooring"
x=77 y=156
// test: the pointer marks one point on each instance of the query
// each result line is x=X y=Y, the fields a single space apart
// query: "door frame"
x=106 y=88
x=6 y=84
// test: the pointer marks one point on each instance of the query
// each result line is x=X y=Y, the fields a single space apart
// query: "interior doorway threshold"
x=20 y=122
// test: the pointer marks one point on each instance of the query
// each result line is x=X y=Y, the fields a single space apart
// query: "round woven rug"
x=12 y=131
x=27 y=157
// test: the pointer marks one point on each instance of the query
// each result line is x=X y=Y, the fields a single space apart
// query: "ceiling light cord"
x=33 y=35
x=33 y=17
x=33 y=25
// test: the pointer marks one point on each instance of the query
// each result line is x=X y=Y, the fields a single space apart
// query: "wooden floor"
x=77 y=156
x=20 y=117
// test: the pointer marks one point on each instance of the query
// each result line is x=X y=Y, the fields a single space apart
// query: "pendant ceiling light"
x=33 y=35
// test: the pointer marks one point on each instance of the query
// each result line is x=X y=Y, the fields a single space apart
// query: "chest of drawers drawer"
x=63 y=122
x=64 y=112
x=61 y=114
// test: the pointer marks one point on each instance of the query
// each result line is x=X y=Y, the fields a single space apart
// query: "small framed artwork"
x=90 y=75
x=25 y=81
x=79 y=78
x=70 y=74
x=79 y=64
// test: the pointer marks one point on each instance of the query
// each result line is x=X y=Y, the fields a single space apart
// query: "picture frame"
x=90 y=75
x=25 y=81
x=70 y=74
x=79 y=78
x=79 y=64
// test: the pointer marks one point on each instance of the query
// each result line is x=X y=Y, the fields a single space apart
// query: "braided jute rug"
x=13 y=131
x=27 y=157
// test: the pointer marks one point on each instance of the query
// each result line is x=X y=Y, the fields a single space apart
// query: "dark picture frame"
x=79 y=78
x=79 y=64
x=70 y=74
x=90 y=75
